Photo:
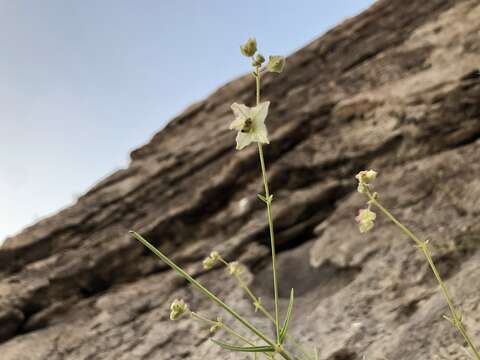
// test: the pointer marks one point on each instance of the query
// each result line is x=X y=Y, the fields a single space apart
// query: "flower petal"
x=260 y=112
x=240 y=110
x=261 y=134
x=243 y=139
x=237 y=124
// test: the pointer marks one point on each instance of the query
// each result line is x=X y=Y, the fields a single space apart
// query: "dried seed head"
x=366 y=220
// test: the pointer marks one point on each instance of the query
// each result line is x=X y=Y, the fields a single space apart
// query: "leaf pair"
x=266 y=200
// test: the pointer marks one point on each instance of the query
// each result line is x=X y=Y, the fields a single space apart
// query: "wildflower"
x=235 y=268
x=365 y=219
x=276 y=63
x=210 y=260
x=178 y=308
x=365 y=178
x=249 y=48
x=250 y=123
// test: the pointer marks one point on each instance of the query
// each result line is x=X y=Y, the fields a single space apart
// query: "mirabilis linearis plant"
x=249 y=122
x=366 y=218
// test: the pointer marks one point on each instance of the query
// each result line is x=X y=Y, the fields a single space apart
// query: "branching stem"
x=210 y=295
x=227 y=328
x=456 y=319
x=258 y=305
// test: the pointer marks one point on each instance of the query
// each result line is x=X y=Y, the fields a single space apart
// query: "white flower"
x=250 y=123
x=365 y=219
x=177 y=308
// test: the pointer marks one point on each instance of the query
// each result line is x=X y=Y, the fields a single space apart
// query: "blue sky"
x=85 y=82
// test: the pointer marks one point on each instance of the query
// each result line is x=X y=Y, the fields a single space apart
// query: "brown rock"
x=396 y=88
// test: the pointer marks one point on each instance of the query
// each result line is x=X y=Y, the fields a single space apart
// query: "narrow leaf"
x=263 y=198
x=244 y=348
x=449 y=319
x=283 y=331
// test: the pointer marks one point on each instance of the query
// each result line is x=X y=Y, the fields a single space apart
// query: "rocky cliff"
x=397 y=89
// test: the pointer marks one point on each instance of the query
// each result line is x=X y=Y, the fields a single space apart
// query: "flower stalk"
x=219 y=324
x=250 y=124
x=366 y=179
x=456 y=318
x=257 y=304
x=268 y=202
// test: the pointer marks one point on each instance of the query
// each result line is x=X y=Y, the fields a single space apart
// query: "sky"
x=83 y=83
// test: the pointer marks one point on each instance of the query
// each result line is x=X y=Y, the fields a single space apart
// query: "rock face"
x=397 y=89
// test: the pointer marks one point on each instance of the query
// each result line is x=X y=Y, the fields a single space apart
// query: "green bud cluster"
x=275 y=64
x=258 y=61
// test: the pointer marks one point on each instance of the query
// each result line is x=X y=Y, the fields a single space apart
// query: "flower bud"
x=218 y=324
x=365 y=178
x=260 y=59
x=177 y=309
x=276 y=63
x=249 y=48
x=210 y=261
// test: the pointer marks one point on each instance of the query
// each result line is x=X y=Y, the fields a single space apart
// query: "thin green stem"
x=272 y=239
x=423 y=245
x=239 y=336
x=257 y=77
x=204 y=319
x=270 y=218
x=227 y=328
x=210 y=295
x=258 y=305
